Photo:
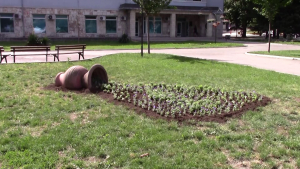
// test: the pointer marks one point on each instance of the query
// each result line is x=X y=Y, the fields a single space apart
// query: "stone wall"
x=18 y=24
x=76 y=22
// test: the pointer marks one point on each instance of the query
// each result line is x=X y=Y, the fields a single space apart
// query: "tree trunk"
x=284 y=35
x=278 y=34
x=148 y=37
x=244 y=31
x=142 y=37
x=269 y=36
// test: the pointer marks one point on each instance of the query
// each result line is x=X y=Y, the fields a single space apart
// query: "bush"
x=34 y=40
x=45 y=41
x=124 y=39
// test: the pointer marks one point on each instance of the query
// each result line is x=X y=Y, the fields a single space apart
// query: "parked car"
x=264 y=34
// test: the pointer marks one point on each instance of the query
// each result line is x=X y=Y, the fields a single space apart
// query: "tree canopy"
x=240 y=12
x=152 y=7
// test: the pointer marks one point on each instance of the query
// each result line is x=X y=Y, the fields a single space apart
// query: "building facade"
x=106 y=18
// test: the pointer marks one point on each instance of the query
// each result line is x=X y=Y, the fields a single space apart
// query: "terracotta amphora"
x=72 y=78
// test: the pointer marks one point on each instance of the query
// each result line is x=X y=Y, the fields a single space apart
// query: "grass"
x=47 y=129
x=101 y=45
x=286 y=53
x=250 y=39
x=262 y=39
x=289 y=43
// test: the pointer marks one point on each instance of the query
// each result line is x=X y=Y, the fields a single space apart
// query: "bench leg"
x=80 y=54
x=55 y=56
x=4 y=57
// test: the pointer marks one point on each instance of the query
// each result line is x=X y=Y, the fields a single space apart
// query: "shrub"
x=45 y=41
x=34 y=40
x=124 y=39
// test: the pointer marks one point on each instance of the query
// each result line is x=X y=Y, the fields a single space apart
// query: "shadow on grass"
x=194 y=60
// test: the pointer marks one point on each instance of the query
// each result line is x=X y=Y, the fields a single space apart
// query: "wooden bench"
x=16 y=51
x=2 y=55
x=69 y=49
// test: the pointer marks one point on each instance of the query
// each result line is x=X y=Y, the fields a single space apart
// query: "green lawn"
x=100 y=45
x=263 y=40
x=286 y=53
x=290 y=43
x=48 y=129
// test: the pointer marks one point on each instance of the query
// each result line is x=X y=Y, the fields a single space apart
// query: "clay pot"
x=95 y=77
x=72 y=78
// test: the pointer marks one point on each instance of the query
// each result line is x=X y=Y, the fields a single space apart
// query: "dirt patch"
x=92 y=160
x=73 y=117
x=220 y=118
x=297 y=100
x=245 y=164
x=282 y=131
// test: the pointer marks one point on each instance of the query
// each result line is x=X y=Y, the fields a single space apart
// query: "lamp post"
x=216 y=22
x=142 y=37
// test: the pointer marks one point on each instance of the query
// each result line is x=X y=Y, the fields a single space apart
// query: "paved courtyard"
x=235 y=55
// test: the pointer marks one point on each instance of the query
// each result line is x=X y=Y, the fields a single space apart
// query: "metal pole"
x=142 y=37
x=215 y=34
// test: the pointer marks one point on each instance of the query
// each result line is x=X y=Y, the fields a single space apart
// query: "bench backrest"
x=70 y=47
x=29 y=48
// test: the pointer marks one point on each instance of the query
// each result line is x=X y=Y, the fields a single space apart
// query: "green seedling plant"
x=178 y=100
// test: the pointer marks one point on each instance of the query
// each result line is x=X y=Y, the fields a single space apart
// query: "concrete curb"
x=272 y=56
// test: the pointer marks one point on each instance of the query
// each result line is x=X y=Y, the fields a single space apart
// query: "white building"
x=105 y=18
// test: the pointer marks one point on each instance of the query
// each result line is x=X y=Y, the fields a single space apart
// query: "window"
x=39 y=24
x=61 y=24
x=90 y=24
x=111 y=24
x=154 y=25
x=6 y=23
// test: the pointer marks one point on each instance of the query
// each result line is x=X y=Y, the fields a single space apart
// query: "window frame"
x=41 y=17
x=57 y=17
x=108 y=19
x=90 y=19
x=154 y=19
x=7 y=17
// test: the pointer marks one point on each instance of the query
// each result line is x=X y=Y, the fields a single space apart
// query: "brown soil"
x=220 y=118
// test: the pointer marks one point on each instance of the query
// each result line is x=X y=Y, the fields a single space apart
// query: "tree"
x=152 y=7
x=269 y=9
x=287 y=19
x=232 y=13
x=240 y=12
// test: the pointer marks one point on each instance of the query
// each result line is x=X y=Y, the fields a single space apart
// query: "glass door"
x=136 y=28
x=179 y=28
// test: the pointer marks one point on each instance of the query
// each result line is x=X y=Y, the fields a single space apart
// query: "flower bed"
x=178 y=101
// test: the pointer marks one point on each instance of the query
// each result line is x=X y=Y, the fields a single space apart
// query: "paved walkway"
x=235 y=55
